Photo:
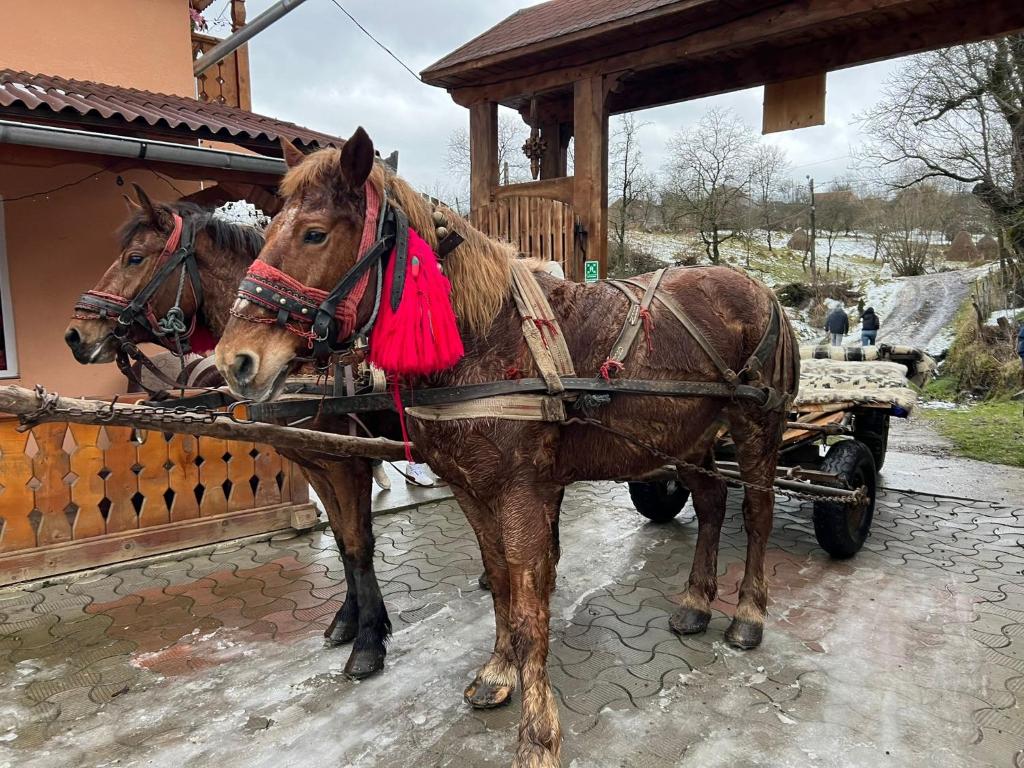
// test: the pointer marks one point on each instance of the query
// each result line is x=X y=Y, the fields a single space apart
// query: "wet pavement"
x=912 y=653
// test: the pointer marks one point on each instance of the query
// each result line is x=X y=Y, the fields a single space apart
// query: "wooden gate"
x=538 y=227
x=76 y=496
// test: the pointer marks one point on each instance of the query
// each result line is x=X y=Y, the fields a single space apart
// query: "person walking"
x=1020 y=352
x=869 y=325
x=837 y=324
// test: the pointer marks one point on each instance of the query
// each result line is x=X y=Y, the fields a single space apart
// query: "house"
x=94 y=96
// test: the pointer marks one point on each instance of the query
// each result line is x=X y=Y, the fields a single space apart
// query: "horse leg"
x=526 y=513
x=709 y=497
x=757 y=451
x=485 y=582
x=496 y=680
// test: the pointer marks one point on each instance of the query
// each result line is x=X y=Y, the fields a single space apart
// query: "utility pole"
x=814 y=235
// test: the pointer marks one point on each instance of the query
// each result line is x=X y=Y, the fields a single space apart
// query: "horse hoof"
x=744 y=634
x=689 y=621
x=363 y=663
x=481 y=695
x=340 y=633
x=484 y=582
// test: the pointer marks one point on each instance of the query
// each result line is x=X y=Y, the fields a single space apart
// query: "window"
x=8 y=350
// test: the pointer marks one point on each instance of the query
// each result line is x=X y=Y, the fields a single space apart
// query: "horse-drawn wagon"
x=837 y=436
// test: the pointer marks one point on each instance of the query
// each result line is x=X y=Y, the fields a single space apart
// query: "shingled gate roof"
x=129 y=111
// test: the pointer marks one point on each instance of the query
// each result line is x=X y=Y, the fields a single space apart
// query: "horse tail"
x=785 y=375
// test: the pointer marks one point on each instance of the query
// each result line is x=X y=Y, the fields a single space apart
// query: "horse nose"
x=72 y=338
x=244 y=367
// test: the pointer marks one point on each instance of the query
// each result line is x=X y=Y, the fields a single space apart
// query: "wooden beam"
x=590 y=187
x=560 y=189
x=483 y=152
x=845 y=32
x=794 y=104
x=555 y=161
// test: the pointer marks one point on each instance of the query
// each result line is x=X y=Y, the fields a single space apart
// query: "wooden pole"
x=590 y=187
x=23 y=402
x=483 y=153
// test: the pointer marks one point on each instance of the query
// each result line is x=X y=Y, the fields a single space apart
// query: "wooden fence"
x=538 y=227
x=74 y=496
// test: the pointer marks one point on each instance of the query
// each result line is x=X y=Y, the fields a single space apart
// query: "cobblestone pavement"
x=910 y=654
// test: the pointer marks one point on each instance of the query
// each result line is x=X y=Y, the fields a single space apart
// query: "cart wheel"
x=871 y=427
x=659 y=502
x=841 y=529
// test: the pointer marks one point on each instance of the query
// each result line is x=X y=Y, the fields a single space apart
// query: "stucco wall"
x=135 y=43
x=58 y=245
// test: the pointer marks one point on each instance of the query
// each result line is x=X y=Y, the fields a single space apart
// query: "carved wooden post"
x=241 y=57
x=483 y=152
x=590 y=188
x=556 y=135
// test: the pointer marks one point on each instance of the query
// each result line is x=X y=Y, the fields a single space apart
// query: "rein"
x=326 y=319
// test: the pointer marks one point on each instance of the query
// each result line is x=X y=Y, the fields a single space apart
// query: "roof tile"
x=82 y=98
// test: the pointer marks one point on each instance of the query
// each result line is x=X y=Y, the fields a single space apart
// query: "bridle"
x=326 y=319
x=170 y=330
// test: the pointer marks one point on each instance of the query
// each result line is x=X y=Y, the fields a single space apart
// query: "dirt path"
x=923 y=310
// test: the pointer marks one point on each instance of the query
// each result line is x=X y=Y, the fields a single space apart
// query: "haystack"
x=962 y=249
x=799 y=241
x=988 y=247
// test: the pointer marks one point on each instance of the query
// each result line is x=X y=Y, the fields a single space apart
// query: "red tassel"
x=422 y=337
x=610 y=367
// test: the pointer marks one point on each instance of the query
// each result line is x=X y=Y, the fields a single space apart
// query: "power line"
x=58 y=188
x=378 y=42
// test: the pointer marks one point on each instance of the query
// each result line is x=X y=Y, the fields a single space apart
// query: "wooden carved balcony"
x=227 y=82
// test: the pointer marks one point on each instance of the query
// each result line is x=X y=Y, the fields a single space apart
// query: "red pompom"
x=422 y=337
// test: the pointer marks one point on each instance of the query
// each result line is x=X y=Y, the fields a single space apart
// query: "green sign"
x=590 y=271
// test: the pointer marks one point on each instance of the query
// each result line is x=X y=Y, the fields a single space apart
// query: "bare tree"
x=512 y=133
x=836 y=213
x=769 y=172
x=628 y=182
x=912 y=218
x=958 y=114
x=710 y=174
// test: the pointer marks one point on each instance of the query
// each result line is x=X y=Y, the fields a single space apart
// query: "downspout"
x=229 y=45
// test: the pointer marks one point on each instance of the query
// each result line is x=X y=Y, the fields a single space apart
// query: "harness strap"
x=550 y=354
x=634 y=317
x=766 y=347
x=695 y=331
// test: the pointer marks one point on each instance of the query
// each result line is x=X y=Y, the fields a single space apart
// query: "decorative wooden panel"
x=61 y=484
x=538 y=227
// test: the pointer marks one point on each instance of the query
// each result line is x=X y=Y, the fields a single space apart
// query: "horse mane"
x=226 y=235
x=479 y=269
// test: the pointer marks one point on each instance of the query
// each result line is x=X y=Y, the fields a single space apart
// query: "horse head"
x=312 y=244
x=153 y=290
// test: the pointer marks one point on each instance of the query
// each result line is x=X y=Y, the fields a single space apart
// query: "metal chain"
x=856 y=499
x=144 y=414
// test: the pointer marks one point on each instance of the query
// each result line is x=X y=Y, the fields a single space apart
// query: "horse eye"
x=314 y=237
x=135 y=259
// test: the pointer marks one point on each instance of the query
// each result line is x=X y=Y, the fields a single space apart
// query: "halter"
x=178 y=251
x=326 y=320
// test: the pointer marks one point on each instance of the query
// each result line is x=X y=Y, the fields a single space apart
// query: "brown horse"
x=223 y=252
x=509 y=475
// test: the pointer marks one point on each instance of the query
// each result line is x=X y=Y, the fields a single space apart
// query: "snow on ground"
x=1009 y=314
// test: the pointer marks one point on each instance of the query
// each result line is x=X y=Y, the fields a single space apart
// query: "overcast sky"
x=315 y=68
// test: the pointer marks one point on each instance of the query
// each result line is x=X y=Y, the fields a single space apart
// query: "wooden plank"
x=16 y=498
x=794 y=104
x=183 y=477
x=121 y=485
x=240 y=473
x=88 y=488
x=50 y=466
x=266 y=468
x=154 y=478
x=590 y=190
x=483 y=152
x=213 y=471
x=129 y=545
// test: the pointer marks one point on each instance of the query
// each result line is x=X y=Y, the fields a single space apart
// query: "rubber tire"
x=659 y=502
x=871 y=427
x=838 y=532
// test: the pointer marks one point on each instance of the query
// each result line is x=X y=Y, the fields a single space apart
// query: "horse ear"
x=292 y=154
x=132 y=205
x=357 y=158
x=145 y=204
